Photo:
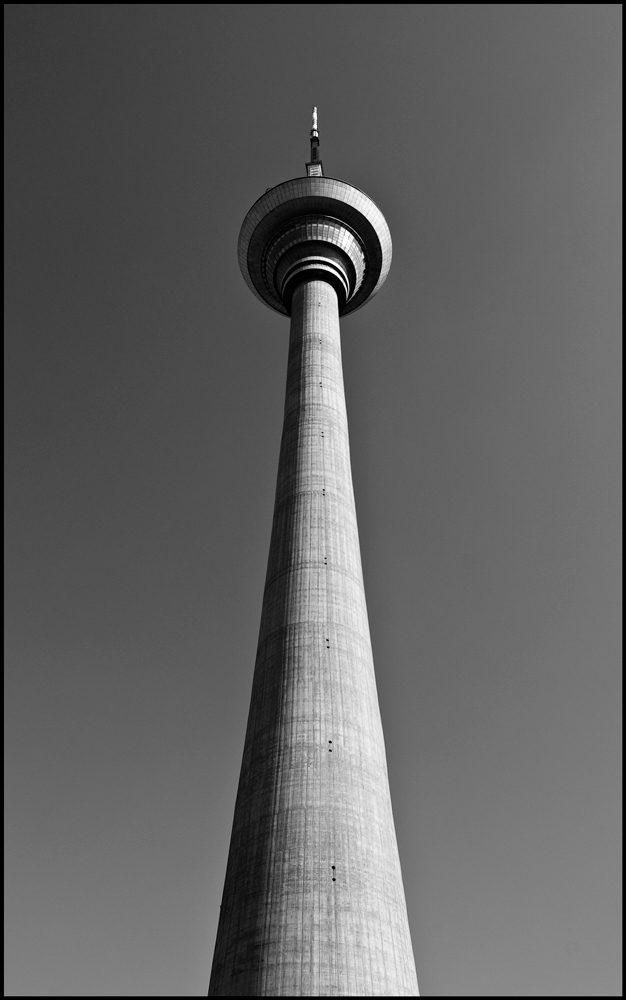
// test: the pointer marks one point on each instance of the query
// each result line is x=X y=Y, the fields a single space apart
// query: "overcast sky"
x=144 y=409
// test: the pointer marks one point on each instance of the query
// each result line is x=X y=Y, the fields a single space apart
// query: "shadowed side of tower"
x=313 y=902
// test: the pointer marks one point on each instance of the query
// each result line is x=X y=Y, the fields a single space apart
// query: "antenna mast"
x=314 y=166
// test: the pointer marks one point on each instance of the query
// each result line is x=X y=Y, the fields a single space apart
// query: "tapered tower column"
x=313 y=901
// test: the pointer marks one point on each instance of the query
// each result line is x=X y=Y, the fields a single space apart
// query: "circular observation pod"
x=314 y=227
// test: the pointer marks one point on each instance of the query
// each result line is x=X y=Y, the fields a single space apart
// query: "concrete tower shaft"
x=313 y=900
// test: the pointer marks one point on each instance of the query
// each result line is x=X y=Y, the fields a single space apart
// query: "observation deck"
x=314 y=227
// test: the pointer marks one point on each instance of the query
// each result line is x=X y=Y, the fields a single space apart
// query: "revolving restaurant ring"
x=316 y=224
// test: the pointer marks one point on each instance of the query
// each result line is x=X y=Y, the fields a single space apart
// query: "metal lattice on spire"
x=314 y=166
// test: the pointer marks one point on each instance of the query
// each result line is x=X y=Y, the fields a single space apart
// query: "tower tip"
x=314 y=166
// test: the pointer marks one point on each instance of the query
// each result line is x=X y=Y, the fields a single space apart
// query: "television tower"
x=313 y=900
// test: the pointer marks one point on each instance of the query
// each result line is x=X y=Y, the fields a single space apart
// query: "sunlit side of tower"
x=313 y=900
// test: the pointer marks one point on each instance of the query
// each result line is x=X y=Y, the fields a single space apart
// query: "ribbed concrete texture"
x=313 y=903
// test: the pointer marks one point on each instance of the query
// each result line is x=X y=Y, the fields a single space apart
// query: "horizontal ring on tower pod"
x=327 y=240
x=309 y=261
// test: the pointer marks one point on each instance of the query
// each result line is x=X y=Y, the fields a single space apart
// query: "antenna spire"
x=314 y=166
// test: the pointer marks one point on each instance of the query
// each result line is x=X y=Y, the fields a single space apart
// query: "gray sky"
x=144 y=409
